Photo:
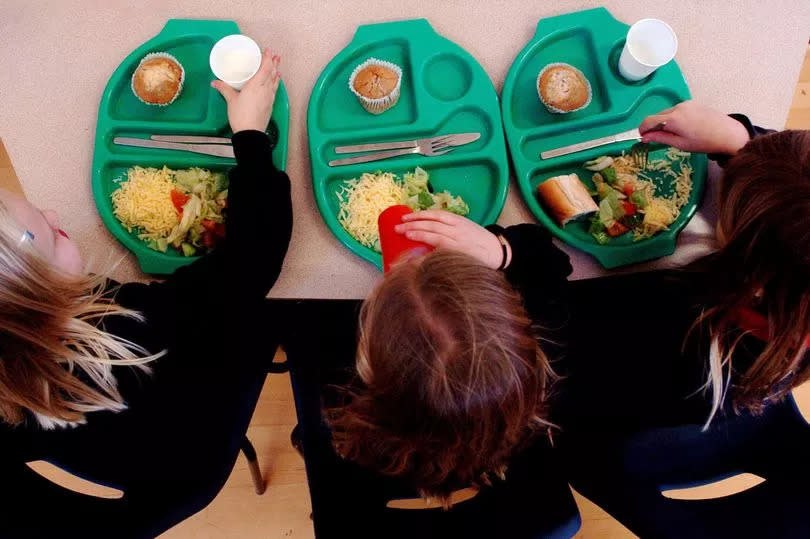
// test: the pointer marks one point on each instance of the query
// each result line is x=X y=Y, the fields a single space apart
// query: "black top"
x=621 y=341
x=349 y=500
x=201 y=314
x=204 y=315
x=616 y=341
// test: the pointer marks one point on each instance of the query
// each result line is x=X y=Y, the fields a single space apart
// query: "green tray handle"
x=376 y=31
x=175 y=26
x=596 y=16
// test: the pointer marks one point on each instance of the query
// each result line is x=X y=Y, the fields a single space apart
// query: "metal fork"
x=428 y=147
x=640 y=151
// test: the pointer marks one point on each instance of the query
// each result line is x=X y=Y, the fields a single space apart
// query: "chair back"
x=627 y=477
x=350 y=501
x=170 y=452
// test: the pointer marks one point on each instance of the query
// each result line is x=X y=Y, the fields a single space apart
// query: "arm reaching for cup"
x=694 y=127
x=239 y=272
x=445 y=230
x=250 y=108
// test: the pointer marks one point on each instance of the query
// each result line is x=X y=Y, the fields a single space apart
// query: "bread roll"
x=566 y=197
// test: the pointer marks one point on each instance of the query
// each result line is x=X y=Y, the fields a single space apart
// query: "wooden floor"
x=283 y=510
x=799 y=115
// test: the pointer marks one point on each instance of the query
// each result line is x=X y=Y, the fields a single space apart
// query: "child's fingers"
x=653 y=120
x=267 y=66
x=664 y=137
x=425 y=226
x=431 y=238
x=227 y=92
x=432 y=215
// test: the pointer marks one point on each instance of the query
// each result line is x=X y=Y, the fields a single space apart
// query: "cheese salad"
x=182 y=209
x=630 y=200
x=363 y=199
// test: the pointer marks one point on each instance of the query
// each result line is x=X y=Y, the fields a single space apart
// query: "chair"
x=349 y=501
x=170 y=454
x=247 y=448
x=631 y=430
x=626 y=477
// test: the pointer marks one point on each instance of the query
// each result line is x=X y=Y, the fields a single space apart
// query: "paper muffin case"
x=159 y=55
x=552 y=108
x=380 y=105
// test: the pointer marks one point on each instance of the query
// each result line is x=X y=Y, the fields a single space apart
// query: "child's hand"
x=445 y=230
x=696 y=128
x=251 y=107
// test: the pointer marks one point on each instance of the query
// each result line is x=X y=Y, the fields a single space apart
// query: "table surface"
x=56 y=57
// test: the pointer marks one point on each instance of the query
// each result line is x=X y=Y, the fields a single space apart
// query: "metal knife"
x=191 y=138
x=632 y=134
x=219 y=150
x=459 y=139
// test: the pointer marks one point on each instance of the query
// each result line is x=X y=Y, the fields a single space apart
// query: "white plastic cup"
x=234 y=59
x=650 y=44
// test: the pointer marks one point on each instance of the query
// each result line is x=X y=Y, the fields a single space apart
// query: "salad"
x=419 y=196
x=631 y=200
x=182 y=209
x=362 y=200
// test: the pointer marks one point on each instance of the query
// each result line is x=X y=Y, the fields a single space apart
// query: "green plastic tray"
x=592 y=41
x=199 y=110
x=444 y=90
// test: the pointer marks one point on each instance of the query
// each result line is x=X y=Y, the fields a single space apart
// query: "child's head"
x=49 y=332
x=452 y=376
x=764 y=263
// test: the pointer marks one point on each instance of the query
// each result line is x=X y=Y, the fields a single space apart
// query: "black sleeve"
x=238 y=274
x=753 y=132
x=538 y=270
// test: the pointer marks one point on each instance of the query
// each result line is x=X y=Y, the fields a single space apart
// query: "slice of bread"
x=567 y=198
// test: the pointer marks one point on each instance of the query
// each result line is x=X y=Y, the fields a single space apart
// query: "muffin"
x=376 y=84
x=158 y=79
x=563 y=88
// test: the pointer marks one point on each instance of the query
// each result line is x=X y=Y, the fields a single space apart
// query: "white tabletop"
x=56 y=57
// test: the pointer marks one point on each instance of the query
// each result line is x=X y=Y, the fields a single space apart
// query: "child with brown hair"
x=454 y=377
x=757 y=309
x=734 y=323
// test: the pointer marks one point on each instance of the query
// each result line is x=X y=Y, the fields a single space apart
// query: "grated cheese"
x=363 y=200
x=144 y=201
x=661 y=211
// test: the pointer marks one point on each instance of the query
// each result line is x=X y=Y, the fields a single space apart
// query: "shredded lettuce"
x=415 y=182
x=419 y=196
x=424 y=200
x=208 y=196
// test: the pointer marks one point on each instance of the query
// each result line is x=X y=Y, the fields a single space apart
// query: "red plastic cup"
x=396 y=247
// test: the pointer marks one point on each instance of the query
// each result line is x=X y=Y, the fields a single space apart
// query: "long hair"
x=55 y=359
x=452 y=379
x=764 y=263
